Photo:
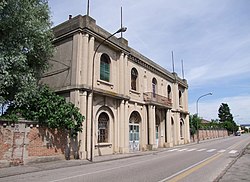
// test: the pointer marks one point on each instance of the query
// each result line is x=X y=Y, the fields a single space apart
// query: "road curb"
x=232 y=163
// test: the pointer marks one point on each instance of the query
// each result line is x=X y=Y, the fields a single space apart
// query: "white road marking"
x=232 y=151
x=200 y=150
x=221 y=151
x=211 y=150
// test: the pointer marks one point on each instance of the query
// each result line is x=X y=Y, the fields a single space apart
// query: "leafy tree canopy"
x=224 y=113
x=25 y=45
x=49 y=110
x=25 y=48
x=226 y=118
x=193 y=121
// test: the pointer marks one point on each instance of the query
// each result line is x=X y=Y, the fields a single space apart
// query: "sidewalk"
x=16 y=170
x=237 y=171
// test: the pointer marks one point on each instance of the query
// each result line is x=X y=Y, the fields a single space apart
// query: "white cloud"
x=239 y=106
x=213 y=40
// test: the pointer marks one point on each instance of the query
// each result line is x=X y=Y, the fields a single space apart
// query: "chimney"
x=70 y=16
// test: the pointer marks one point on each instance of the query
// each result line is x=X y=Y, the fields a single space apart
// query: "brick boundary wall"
x=209 y=134
x=26 y=142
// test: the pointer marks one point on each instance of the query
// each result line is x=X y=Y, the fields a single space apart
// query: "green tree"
x=224 y=113
x=49 y=110
x=214 y=124
x=25 y=46
x=2 y=4
x=226 y=118
x=193 y=121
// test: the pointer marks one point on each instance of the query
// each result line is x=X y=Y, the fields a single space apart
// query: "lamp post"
x=122 y=29
x=198 y=115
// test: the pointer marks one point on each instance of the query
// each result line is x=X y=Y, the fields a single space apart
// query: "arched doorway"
x=134 y=132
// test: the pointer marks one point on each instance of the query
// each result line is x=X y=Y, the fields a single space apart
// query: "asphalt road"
x=197 y=162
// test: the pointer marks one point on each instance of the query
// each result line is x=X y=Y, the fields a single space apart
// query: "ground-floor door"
x=134 y=137
x=157 y=135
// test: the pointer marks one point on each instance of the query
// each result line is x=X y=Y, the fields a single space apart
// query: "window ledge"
x=105 y=83
x=103 y=145
x=134 y=92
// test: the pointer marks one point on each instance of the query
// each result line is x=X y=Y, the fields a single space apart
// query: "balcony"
x=156 y=99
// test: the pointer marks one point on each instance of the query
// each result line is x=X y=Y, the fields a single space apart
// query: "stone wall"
x=25 y=142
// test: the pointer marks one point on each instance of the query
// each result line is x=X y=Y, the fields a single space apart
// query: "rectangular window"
x=105 y=71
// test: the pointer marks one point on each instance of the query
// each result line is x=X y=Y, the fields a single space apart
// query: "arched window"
x=134 y=75
x=180 y=98
x=103 y=128
x=169 y=91
x=105 y=68
x=154 y=87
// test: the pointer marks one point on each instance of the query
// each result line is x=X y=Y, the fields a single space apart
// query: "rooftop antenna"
x=182 y=69
x=88 y=8
x=121 y=21
x=173 y=60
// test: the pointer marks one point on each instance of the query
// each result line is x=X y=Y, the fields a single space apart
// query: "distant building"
x=137 y=104
x=203 y=121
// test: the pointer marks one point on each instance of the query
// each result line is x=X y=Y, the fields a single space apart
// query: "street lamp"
x=198 y=115
x=122 y=29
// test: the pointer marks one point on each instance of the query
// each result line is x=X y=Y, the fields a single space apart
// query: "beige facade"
x=137 y=104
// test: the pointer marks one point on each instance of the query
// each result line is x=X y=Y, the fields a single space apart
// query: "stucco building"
x=137 y=104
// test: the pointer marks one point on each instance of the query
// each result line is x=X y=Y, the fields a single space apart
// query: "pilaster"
x=126 y=72
x=152 y=136
x=122 y=127
x=76 y=59
x=187 y=131
x=144 y=140
x=126 y=128
x=83 y=134
x=88 y=126
x=90 y=59
x=169 y=129
x=121 y=75
x=85 y=59
x=177 y=129
x=75 y=98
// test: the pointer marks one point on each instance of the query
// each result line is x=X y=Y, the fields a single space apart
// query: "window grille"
x=103 y=128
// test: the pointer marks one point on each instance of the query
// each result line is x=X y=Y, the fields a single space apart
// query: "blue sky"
x=212 y=37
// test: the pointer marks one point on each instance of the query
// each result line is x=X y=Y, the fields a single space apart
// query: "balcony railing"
x=153 y=98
